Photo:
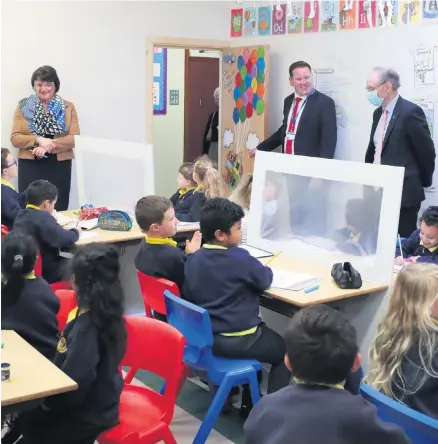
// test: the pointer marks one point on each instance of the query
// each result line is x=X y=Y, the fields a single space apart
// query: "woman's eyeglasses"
x=39 y=84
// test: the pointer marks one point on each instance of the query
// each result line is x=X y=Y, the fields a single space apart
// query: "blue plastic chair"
x=194 y=323
x=421 y=429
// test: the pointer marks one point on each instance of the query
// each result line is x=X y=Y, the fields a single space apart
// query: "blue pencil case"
x=114 y=220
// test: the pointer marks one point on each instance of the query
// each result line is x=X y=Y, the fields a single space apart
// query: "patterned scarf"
x=41 y=123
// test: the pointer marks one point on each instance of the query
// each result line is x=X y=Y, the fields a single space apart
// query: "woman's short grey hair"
x=389 y=75
x=216 y=91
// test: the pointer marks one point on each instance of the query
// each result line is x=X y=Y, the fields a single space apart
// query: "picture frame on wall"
x=160 y=81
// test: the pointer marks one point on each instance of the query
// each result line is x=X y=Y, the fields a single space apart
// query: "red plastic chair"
x=67 y=299
x=5 y=230
x=145 y=415
x=55 y=286
x=152 y=289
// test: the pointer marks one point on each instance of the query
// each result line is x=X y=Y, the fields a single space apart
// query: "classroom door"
x=202 y=78
x=243 y=109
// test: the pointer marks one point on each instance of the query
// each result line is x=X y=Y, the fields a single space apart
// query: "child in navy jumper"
x=183 y=198
x=228 y=282
x=321 y=352
x=209 y=185
x=37 y=221
x=29 y=305
x=89 y=351
x=422 y=246
x=10 y=198
x=159 y=255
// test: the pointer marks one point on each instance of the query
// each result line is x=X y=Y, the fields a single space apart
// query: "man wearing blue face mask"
x=400 y=136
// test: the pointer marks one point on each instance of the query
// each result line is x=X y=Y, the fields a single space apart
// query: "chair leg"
x=130 y=375
x=254 y=387
x=214 y=411
x=167 y=436
x=163 y=388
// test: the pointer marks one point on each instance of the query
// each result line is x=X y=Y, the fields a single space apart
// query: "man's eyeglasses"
x=39 y=84
x=12 y=164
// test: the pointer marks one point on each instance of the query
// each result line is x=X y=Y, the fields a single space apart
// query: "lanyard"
x=294 y=119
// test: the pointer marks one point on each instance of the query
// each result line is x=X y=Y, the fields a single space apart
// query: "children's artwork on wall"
x=347 y=14
x=424 y=67
x=159 y=88
x=243 y=116
x=250 y=22
x=367 y=14
x=387 y=12
x=410 y=12
x=430 y=11
x=279 y=20
x=329 y=16
x=236 y=22
x=295 y=20
x=311 y=16
x=264 y=20
x=228 y=80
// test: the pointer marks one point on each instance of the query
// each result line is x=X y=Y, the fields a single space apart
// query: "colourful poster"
x=410 y=12
x=329 y=16
x=295 y=19
x=430 y=11
x=279 y=20
x=264 y=20
x=367 y=14
x=311 y=16
x=387 y=12
x=347 y=14
x=250 y=22
x=236 y=22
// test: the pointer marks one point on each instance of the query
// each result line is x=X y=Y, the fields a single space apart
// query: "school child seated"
x=10 y=198
x=422 y=246
x=182 y=199
x=359 y=237
x=209 y=185
x=36 y=220
x=89 y=351
x=404 y=354
x=159 y=256
x=29 y=305
x=242 y=196
x=321 y=351
x=228 y=282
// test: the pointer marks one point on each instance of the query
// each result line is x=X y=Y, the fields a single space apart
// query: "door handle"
x=200 y=102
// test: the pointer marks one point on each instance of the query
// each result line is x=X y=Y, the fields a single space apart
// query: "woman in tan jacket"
x=43 y=131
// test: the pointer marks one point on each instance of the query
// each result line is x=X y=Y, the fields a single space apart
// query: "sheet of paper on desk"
x=194 y=225
x=256 y=252
x=63 y=220
x=291 y=280
x=88 y=224
x=87 y=234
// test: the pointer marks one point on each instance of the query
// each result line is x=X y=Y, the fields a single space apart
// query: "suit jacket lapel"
x=392 y=121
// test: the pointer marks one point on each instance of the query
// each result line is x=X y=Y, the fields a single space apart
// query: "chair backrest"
x=67 y=300
x=39 y=265
x=152 y=290
x=421 y=429
x=5 y=230
x=194 y=323
x=159 y=348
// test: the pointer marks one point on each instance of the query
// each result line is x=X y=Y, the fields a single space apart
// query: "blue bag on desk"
x=114 y=220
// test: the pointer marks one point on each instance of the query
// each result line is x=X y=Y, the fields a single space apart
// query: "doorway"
x=201 y=80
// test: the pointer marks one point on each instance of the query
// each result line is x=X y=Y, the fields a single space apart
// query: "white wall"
x=99 y=51
x=169 y=128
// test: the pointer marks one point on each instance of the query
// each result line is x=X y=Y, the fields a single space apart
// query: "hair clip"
x=18 y=257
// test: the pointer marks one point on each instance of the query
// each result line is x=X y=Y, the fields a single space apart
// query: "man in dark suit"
x=401 y=137
x=309 y=129
x=309 y=119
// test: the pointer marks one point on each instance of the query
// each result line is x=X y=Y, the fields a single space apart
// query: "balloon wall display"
x=248 y=95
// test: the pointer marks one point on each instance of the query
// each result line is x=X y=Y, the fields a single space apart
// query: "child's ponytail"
x=209 y=177
x=19 y=253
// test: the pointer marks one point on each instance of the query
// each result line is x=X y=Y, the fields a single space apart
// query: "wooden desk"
x=32 y=375
x=117 y=236
x=328 y=291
